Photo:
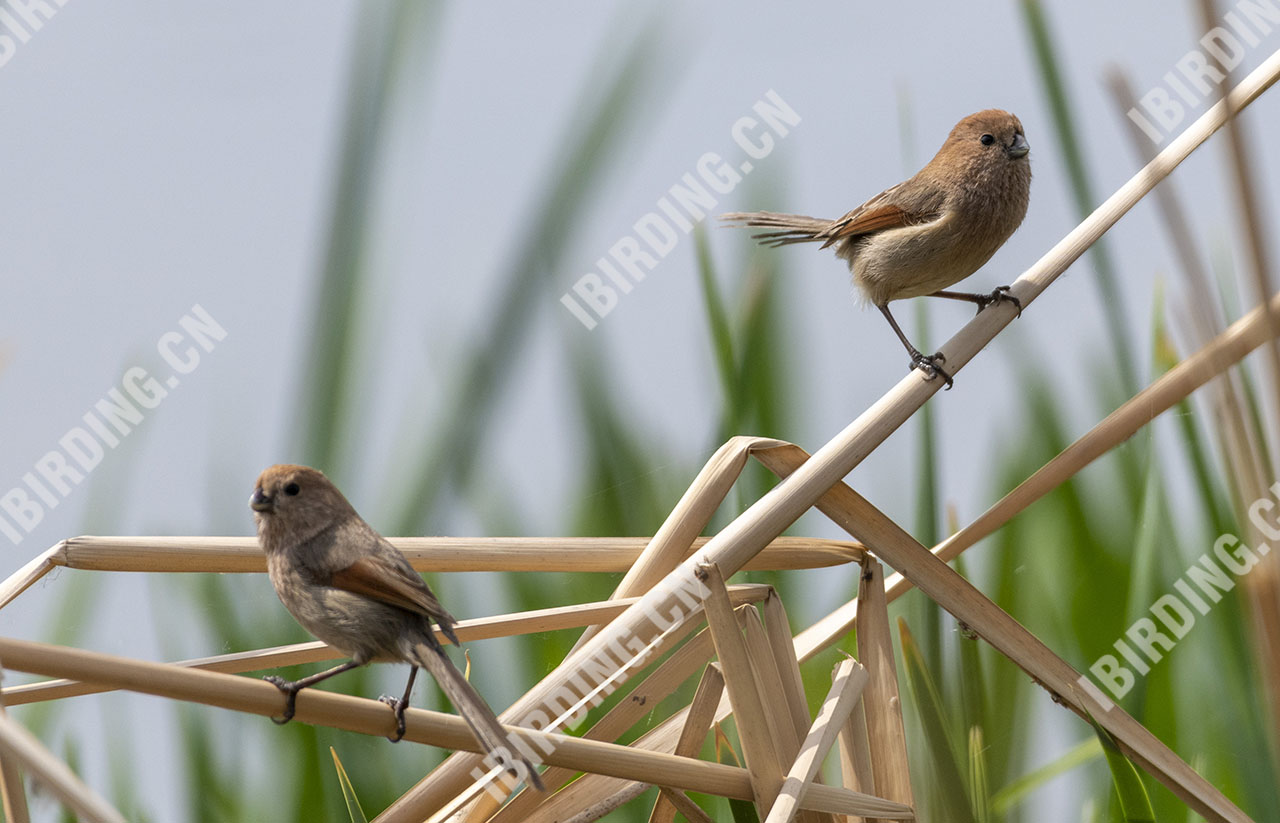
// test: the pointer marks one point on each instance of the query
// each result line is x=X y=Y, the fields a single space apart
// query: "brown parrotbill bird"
x=928 y=233
x=355 y=591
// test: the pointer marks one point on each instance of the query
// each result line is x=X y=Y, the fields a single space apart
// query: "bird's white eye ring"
x=292 y=489
x=987 y=139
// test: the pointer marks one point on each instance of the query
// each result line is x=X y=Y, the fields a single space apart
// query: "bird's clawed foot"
x=1000 y=295
x=290 y=690
x=398 y=705
x=931 y=365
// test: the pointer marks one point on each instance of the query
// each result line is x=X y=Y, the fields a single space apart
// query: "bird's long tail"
x=792 y=228
x=484 y=724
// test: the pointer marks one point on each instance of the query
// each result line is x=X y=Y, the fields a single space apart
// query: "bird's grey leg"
x=1001 y=294
x=399 y=704
x=292 y=687
x=931 y=365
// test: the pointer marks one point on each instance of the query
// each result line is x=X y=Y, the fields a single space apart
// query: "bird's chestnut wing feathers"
x=877 y=214
x=374 y=577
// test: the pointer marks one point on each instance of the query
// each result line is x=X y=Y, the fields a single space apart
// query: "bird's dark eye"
x=987 y=139
x=292 y=489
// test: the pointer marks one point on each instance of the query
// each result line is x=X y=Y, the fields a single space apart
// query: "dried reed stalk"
x=701 y=714
x=848 y=681
x=13 y=794
x=482 y=628
x=881 y=703
x=740 y=682
x=855 y=752
x=426 y=554
x=1168 y=390
x=779 y=715
x=691 y=811
x=21 y=748
x=956 y=595
x=339 y=711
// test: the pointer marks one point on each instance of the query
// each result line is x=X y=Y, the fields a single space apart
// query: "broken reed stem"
x=881 y=703
x=848 y=681
x=739 y=680
x=701 y=714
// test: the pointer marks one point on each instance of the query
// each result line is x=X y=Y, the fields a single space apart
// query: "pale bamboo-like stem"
x=691 y=811
x=1205 y=322
x=786 y=738
x=481 y=628
x=778 y=630
x=783 y=732
x=848 y=681
x=13 y=794
x=22 y=748
x=664 y=680
x=698 y=720
x=885 y=731
x=31 y=571
x=743 y=691
x=324 y=708
x=625 y=794
x=1168 y=390
x=224 y=555
x=957 y=596
x=855 y=753
x=783 y=505
x=688 y=519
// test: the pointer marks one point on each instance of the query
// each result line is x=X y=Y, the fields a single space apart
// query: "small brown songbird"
x=923 y=235
x=355 y=591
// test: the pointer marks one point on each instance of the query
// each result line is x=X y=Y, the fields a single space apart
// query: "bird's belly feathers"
x=360 y=628
x=914 y=261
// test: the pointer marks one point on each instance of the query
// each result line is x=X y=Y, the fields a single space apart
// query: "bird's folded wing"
x=374 y=577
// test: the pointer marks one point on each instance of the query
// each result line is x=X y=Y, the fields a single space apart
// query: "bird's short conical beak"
x=1020 y=146
x=259 y=502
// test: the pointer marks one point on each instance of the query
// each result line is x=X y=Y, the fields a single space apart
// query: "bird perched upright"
x=923 y=235
x=355 y=591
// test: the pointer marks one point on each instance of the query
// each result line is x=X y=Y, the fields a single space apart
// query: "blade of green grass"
x=949 y=766
x=1018 y=790
x=348 y=791
x=1064 y=120
x=1135 y=804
